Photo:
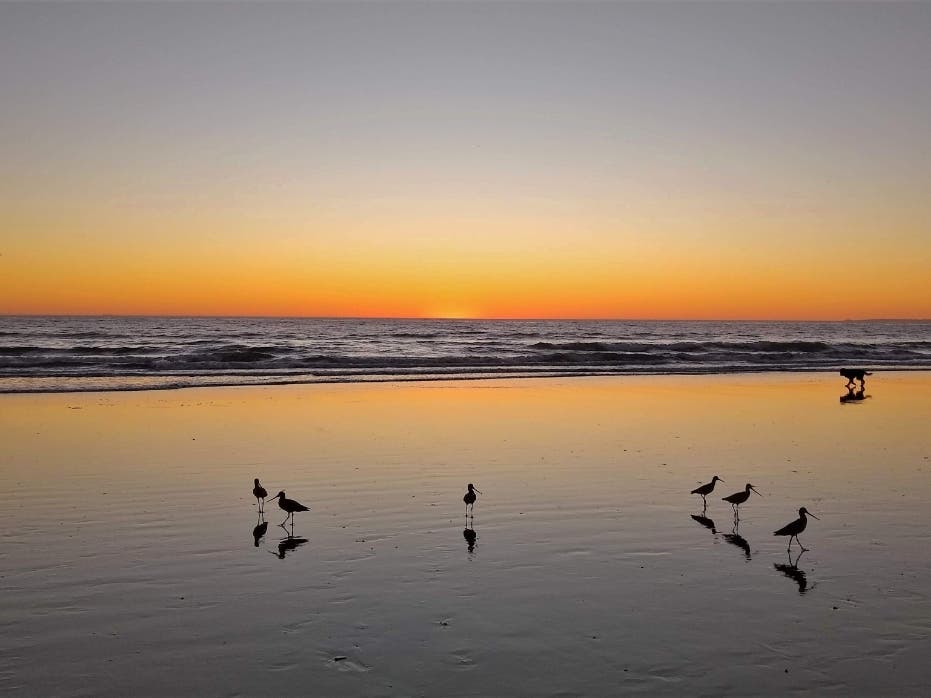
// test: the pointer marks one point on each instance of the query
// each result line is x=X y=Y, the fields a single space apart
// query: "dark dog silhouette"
x=852 y=374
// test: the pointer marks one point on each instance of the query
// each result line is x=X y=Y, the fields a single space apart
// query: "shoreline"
x=452 y=378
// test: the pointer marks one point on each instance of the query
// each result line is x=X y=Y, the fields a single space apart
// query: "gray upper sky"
x=631 y=115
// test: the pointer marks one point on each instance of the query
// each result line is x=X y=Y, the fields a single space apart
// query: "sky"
x=573 y=160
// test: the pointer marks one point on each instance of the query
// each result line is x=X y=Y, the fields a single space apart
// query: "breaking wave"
x=61 y=354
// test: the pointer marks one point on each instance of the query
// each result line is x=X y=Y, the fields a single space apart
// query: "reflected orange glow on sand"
x=547 y=425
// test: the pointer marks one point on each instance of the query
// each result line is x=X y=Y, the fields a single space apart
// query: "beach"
x=128 y=564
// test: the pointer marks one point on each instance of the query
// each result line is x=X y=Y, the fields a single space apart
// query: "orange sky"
x=625 y=161
x=515 y=272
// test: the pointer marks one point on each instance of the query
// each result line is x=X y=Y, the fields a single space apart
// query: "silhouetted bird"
x=739 y=498
x=706 y=489
x=290 y=506
x=470 y=536
x=793 y=529
x=470 y=497
x=260 y=494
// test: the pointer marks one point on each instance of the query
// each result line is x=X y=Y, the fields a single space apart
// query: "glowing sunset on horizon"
x=467 y=160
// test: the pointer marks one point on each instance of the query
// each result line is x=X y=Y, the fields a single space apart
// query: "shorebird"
x=705 y=490
x=739 y=498
x=470 y=497
x=290 y=506
x=260 y=494
x=793 y=529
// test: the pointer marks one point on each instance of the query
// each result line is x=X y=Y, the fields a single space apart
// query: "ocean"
x=65 y=354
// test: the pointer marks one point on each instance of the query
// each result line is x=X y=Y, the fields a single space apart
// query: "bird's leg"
x=800 y=544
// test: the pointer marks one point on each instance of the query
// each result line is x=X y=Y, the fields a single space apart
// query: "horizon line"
x=453 y=319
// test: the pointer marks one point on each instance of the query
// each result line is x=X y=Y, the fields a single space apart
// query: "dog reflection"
x=793 y=572
x=260 y=529
x=853 y=395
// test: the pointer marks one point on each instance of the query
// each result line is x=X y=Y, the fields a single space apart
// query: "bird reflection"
x=470 y=536
x=261 y=527
x=704 y=521
x=286 y=545
x=853 y=395
x=734 y=538
x=793 y=572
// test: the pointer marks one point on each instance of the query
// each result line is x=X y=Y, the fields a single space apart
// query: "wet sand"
x=128 y=564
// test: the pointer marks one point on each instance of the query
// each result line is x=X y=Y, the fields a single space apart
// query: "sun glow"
x=452 y=313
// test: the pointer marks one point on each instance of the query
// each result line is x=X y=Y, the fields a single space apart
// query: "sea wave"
x=64 y=354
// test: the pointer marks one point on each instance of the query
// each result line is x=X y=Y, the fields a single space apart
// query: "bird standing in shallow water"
x=706 y=489
x=260 y=495
x=739 y=498
x=290 y=506
x=470 y=498
x=793 y=529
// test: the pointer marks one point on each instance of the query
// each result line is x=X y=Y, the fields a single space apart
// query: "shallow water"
x=128 y=563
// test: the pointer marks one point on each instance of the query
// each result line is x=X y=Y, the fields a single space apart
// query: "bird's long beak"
x=755 y=490
x=479 y=491
x=813 y=516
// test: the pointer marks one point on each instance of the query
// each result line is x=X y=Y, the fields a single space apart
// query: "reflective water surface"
x=588 y=568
